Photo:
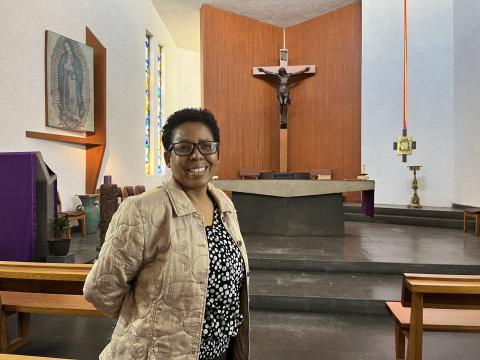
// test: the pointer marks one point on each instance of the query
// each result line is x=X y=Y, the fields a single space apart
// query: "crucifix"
x=283 y=73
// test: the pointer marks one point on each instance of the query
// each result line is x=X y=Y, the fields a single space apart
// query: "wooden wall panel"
x=324 y=118
x=245 y=106
x=325 y=112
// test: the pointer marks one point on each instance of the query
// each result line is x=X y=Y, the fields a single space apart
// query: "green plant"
x=62 y=225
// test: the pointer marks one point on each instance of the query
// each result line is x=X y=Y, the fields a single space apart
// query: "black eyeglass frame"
x=195 y=145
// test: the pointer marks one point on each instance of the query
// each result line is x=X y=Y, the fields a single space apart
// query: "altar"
x=294 y=207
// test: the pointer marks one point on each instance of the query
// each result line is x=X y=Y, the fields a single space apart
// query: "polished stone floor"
x=365 y=241
x=279 y=266
x=274 y=336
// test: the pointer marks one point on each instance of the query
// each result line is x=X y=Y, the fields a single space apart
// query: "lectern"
x=27 y=206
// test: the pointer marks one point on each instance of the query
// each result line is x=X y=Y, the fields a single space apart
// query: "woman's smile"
x=198 y=171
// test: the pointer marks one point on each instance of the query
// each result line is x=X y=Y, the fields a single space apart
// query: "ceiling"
x=182 y=17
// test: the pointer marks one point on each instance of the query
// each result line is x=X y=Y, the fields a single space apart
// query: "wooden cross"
x=284 y=72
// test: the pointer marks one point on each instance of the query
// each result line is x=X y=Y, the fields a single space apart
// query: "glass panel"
x=160 y=160
x=147 y=104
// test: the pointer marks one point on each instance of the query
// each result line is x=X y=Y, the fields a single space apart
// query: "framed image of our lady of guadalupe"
x=69 y=84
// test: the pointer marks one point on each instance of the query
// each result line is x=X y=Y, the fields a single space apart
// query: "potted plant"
x=60 y=245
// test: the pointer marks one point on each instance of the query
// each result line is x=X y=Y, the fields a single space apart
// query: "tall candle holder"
x=415 y=201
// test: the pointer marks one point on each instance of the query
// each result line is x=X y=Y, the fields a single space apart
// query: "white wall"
x=430 y=98
x=120 y=25
x=466 y=35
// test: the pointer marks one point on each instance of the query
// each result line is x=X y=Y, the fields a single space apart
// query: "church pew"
x=26 y=357
x=448 y=303
x=39 y=288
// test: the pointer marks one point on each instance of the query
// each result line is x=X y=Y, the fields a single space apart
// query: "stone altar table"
x=294 y=207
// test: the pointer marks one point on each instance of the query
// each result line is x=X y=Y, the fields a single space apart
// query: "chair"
x=138 y=189
x=472 y=213
x=127 y=192
x=78 y=215
x=249 y=174
x=321 y=174
x=119 y=194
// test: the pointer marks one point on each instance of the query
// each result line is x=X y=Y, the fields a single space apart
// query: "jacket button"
x=239 y=242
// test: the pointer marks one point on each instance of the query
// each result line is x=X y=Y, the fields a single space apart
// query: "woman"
x=174 y=269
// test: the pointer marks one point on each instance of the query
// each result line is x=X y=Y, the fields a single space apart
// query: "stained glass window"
x=160 y=161
x=147 y=104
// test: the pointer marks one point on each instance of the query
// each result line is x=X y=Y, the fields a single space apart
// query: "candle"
x=364 y=170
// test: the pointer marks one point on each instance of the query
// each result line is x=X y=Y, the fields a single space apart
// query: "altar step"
x=402 y=215
x=363 y=294
x=355 y=273
x=360 y=267
x=333 y=292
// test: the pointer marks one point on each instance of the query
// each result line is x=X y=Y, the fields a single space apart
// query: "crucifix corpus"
x=283 y=73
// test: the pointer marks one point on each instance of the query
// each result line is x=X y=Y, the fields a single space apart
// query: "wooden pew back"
x=442 y=291
x=43 y=277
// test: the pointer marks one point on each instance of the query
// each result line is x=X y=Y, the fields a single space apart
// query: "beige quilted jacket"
x=152 y=276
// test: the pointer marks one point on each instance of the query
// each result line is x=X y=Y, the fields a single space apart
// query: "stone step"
x=428 y=211
x=402 y=215
x=372 y=249
x=319 y=292
x=363 y=267
x=440 y=222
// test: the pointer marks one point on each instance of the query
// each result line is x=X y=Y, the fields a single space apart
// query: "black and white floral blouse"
x=225 y=278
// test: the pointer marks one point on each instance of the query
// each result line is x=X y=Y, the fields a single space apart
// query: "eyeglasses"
x=187 y=148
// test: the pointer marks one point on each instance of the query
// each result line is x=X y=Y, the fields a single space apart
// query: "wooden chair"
x=78 y=215
x=249 y=174
x=138 y=189
x=127 y=191
x=119 y=194
x=321 y=174
x=448 y=303
x=472 y=213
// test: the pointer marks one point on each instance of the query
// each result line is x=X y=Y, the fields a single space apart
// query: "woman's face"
x=195 y=170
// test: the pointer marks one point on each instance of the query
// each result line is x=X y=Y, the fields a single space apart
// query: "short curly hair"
x=186 y=115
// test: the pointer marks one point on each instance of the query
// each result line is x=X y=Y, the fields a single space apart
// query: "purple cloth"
x=368 y=207
x=17 y=206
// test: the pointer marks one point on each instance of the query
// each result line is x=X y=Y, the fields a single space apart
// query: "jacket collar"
x=182 y=204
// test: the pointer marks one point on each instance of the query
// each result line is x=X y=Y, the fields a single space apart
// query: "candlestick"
x=107 y=179
x=415 y=201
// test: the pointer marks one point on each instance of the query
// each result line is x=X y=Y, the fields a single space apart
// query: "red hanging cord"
x=405 y=64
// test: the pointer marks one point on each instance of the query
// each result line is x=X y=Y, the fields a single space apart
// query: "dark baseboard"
x=460 y=206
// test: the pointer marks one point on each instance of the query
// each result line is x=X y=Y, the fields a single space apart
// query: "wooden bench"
x=25 y=357
x=39 y=288
x=449 y=303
